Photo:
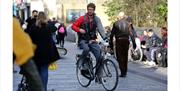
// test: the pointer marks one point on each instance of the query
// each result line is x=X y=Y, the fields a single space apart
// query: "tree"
x=145 y=13
x=113 y=8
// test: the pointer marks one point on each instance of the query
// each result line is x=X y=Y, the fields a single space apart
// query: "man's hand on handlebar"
x=82 y=31
x=92 y=41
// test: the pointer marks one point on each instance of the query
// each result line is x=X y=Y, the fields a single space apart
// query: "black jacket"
x=46 y=51
x=121 y=29
x=30 y=21
x=154 y=41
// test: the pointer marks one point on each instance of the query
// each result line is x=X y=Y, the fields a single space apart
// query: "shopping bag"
x=53 y=66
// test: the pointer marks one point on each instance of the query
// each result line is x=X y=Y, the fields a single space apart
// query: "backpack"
x=61 y=30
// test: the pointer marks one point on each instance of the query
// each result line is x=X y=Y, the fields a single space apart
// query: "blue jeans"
x=94 y=48
x=43 y=72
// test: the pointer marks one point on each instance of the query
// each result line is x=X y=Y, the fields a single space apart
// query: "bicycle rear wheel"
x=83 y=81
x=136 y=55
x=110 y=75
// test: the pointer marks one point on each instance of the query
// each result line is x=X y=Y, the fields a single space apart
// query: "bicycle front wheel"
x=110 y=75
x=136 y=55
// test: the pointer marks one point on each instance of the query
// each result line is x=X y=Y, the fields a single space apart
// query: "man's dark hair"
x=92 y=5
x=34 y=11
x=164 y=28
x=150 y=30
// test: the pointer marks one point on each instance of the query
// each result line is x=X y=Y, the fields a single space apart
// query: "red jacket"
x=76 y=25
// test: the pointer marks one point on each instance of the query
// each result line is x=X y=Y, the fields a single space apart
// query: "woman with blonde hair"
x=46 y=51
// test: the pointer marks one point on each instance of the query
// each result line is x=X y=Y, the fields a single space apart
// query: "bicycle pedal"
x=103 y=80
x=98 y=80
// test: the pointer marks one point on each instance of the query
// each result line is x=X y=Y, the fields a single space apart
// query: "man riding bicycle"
x=87 y=25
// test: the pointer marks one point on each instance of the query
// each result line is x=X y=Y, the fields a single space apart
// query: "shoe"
x=84 y=72
x=151 y=63
x=146 y=62
x=122 y=76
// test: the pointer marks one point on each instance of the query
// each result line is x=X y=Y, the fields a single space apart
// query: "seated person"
x=154 y=42
x=163 y=49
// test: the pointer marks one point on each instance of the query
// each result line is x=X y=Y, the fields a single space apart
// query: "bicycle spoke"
x=110 y=76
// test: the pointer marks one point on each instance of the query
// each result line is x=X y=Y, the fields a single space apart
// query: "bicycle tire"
x=137 y=57
x=107 y=70
x=62 y=51
x=78 y=74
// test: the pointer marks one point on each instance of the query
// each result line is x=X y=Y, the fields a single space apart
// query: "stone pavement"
x=139 y=77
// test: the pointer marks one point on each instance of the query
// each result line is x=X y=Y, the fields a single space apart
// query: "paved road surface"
x=139 y=76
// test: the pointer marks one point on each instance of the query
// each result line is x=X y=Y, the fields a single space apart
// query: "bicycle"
x=23 y=86
x=109 y=77
x=62 y=51
x=136 y=54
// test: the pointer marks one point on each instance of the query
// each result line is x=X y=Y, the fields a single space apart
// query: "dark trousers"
x=163 y=60
x=122 y=46
x=61 y=39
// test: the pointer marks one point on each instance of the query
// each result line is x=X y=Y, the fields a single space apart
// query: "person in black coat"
x=31 y=20
x=122 y=29
x=46 y=51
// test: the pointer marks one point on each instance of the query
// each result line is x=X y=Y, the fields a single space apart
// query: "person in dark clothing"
x=134 y=34
x=31 y=20
x=23 y=51
x=164 y=48
x=87 y=26
x=46 y=51
x=61 y=34
x=144 y=40
x=164 y=34
x=53 y=28
x=52 y=24
x=153 y=44
x=121 y=30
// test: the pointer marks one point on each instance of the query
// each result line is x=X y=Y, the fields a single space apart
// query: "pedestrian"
x=53 y=28
x=23 y=52
x=61 y=34
x=87 y=26
x=31 y=20
x=46 y=51
x=121 y=30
